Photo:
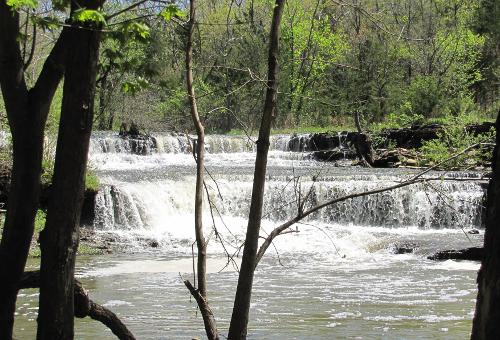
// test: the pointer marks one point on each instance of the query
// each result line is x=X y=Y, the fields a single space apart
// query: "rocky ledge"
x=393 y=147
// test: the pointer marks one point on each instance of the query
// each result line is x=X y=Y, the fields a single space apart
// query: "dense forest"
x=393 y=63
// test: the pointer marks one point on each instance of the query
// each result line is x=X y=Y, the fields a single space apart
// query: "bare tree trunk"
x=239 y=319
x=27 y=112
x=485 y=324
x=59 y=239
x=199 y=294
x=363 y=143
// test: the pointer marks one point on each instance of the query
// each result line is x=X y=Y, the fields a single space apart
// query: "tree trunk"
x=485 y=324
x=59 y=239
x=239 y=319
x=27 y=112
x=103 y=88
x=201 y=299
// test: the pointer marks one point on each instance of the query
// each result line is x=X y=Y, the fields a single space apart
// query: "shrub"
x=453 y=139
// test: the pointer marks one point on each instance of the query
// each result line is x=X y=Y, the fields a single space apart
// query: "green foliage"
x=40 y=219
x=136 y=30
x=135 y=85
x=395 y=63
x=91 y=181
x=395 y=120
x=85 y=249
x=84 y=15
x=18 y=4
x=424 y=94
x=171 y=11
x=454 y=139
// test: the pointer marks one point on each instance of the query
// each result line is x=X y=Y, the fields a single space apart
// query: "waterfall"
x=172 y=143
x=147 y=189
x=149 y=204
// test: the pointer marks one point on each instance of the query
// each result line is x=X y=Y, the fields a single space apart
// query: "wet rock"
x=298 y=143
x=88 y=207
x=140 y=143
x=322 y=141
x=404 y=248
x=153 y=244
x=473 y=232
x=471 y=254
x=334 y=155
x=387 y=159
x=129 y=130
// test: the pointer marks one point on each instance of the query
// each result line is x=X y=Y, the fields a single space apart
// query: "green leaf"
x=139 y=30
x=170 y=12
x=17 y=4
x=135 y=86
x=83 y=15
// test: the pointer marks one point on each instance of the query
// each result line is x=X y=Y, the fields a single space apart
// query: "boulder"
x=404 y=248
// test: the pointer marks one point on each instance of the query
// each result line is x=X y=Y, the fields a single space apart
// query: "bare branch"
x=413 y=180
x=206 y=311
x=84 y=306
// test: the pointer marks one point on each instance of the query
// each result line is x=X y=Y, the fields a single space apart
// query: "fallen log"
x=471 y=254
x=84 y=306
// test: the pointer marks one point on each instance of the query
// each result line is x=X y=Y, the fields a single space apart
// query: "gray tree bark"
x=239 y=319
x=200 y=294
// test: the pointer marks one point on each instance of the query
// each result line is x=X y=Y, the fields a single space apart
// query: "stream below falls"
x=336 y=276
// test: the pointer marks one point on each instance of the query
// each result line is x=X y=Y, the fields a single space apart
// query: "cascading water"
x=333 y=275
x=141 y=192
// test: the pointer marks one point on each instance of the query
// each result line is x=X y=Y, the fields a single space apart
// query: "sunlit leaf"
x=135 y=85
x=89 y=15
x=171 y=11
x=17 y=4
x=139 y=30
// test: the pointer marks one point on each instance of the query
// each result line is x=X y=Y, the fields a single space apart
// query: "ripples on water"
x=336 y=278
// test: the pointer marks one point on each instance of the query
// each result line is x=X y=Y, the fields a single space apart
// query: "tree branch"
x=206 y=311
x=84 y=306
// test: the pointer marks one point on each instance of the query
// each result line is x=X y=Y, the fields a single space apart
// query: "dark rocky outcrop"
x=471 y=254
x=394 y=147
x=413 y=137
x=140 y=143
x=481 y=128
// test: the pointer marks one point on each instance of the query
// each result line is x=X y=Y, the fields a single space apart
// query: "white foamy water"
x=334 y=275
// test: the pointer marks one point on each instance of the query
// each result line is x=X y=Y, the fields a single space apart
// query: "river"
x=336 y=276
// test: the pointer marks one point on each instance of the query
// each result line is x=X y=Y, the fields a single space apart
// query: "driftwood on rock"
x=471 y=254
x=84 y=306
